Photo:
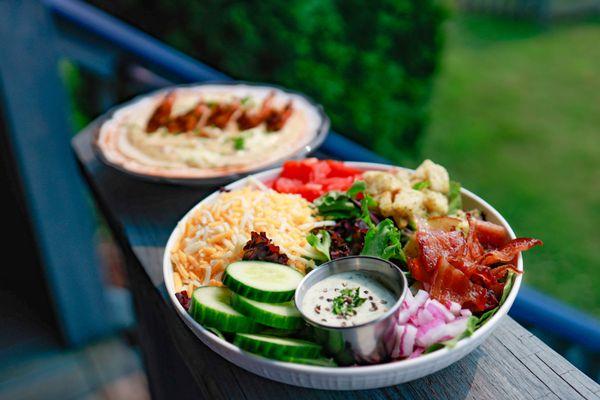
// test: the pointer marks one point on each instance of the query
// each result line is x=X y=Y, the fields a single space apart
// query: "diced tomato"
x=286 y=185
x=320 y=171
x=340 y=184
x=339 y=169
x=299 y=170
x=309 y=170
x=312 y=178
x=310 y=191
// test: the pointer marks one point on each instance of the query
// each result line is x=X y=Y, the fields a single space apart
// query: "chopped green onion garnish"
x=345 y=304
x=239 y=143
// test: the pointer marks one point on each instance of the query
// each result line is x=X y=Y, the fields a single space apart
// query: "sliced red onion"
x=423 y=322
x=421 y=297
x=456 y=327
x=455 y=308
x=427 y=337
x=441 y=309
x=418 y=351
x=412 y=306
x=423 y=316
x=441 y=332
x=408 y=344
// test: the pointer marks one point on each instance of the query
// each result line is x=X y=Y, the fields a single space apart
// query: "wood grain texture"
x=511 y=364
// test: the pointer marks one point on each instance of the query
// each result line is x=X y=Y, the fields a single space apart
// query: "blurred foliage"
x=370 y=64
x=75 y=85
x=516 y=119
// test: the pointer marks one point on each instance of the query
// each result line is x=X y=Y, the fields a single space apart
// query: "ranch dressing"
x=347 y=299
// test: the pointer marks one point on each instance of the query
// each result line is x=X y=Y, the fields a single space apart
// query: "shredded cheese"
x=216 y=233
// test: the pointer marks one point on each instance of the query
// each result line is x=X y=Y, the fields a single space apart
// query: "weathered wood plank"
x=512 y=364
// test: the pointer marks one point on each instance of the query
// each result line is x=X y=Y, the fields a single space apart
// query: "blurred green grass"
x=516 y=118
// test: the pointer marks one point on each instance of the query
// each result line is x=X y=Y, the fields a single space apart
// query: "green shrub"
x=370 y=64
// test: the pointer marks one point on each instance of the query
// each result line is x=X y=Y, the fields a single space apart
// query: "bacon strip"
x=451 y=284
x=490 y=235
x=509 y=251
x=459 y=269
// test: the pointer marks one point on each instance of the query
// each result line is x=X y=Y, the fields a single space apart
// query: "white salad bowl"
x=341 y=378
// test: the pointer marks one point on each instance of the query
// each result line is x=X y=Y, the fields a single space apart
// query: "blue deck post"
x=34 y=104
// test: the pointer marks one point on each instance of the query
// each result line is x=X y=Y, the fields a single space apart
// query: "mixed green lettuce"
x=344 y=205
x=321 y=242
x=383 y=241
x=454 y=198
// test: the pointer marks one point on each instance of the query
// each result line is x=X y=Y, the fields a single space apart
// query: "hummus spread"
x=207 y=151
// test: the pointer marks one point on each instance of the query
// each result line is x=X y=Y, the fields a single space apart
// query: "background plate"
x=302 y=151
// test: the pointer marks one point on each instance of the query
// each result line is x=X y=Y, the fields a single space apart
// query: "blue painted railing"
x=531 y=306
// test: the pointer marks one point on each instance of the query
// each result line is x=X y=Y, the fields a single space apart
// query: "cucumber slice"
x=277 y=347
x=280 y=332
x=262 y=281
x=275 y=315
x=319 y=362
x=211 y=307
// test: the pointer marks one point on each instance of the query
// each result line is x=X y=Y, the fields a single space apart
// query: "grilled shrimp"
x=189 y=120
x=162 y=113
x=250 y=120
x=278 y=118
x=221 y=114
